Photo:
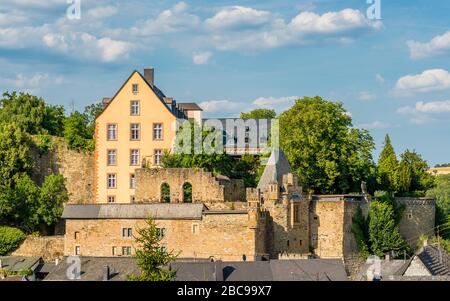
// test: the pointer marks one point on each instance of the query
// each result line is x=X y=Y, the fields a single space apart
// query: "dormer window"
x=135 y=88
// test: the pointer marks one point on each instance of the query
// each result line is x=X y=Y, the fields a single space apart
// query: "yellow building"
x=136 y=126
x=439 y=170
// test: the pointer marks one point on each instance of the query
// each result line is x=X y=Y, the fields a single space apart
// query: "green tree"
x=217 y=163
x=383 y=233
x=24 y=110
x=419 y=179
x=53 y=194
x=92 y=112
x=388 y=166
x=151 y=257
x=323 y=148
x=259 y=114
x=77 y=132
x=54 y=120
x=10 y=239
x=441 y=192
x=15 y=156
x=19 y=204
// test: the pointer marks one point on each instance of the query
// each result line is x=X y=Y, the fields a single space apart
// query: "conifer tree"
x=151 y=257
x=388 y=166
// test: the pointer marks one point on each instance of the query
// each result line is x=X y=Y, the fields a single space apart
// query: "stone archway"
x=187 y=192
x=165 y=193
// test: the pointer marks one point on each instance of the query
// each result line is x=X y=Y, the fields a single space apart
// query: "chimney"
x=105 y=273
x=149 y=75
x=106 y=101
x=387 y=257
x=1 y=264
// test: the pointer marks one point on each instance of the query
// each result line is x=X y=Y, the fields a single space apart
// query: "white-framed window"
x=112 y=180
x=77 y=250
x=133 y=181
x=114 y=251
x=135 y=88
x=195 y=228
x=134 y=107
x=296 y=214
x=134 y=157
x=157 y=131
x=157 y=154
x=112 y=157
x=127 y=232
x=135 y=131
x=126 y=251
x=111 y=198
x=112 y=131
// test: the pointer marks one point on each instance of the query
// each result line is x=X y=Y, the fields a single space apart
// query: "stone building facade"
x=276 y=220
x=206 y=188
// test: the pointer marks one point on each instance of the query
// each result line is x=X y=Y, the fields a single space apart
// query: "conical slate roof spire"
x=277 y=166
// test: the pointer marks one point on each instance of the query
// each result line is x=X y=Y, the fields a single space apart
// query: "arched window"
x=165 y=193
x=187 y=192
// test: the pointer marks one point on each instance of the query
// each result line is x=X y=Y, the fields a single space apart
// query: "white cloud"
x=175 y=19
x=219 y=105
x=428 y=80
x=200 y=58
x=12 y=17
x=88 y=46
x=331 y=22
x=33 y=82
x=237 y=16
x=424 y=112
x=36 y=3
x=102 y=12
x=366 y=96
x=272 y=102
x=305 y=28
x=437 y=46
x=375 y=125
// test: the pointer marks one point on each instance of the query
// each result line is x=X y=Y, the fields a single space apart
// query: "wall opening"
x=165 y=193
x=187 y=192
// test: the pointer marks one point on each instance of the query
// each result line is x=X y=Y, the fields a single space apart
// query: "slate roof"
x=19 y=263
x=273 y=270
x=134 y=211
x=276 y=167
x=92 y=269
x=430 y=257
x=189 y=106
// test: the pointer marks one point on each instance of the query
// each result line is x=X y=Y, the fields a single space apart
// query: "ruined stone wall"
x=284 y=236
x=77 y=167
x=225 y=236
x=418 y=218
x=205 y=187
x=327 y=228
x=47 y=247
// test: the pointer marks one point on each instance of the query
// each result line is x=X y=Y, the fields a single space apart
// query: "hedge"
x=10 y=239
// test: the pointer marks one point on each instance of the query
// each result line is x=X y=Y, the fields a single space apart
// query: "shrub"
x=10 y=239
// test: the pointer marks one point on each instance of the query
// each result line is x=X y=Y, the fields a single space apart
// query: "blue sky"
x=393 y=74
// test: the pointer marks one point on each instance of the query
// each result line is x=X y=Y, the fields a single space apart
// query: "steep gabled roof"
x=277 y=166
x=154 y=88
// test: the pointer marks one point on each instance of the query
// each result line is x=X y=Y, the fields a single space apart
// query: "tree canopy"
x=322 y=147
x=259 y=114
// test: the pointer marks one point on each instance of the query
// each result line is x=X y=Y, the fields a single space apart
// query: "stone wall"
x=226 y=236
x=76 y=167
x=418 y=218
x=48 y=247
x=205 y=187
